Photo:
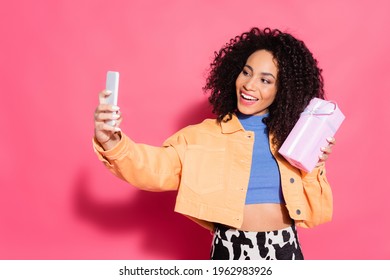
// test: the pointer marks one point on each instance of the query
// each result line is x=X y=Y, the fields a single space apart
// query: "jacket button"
x=292 y=180
x=298 y=212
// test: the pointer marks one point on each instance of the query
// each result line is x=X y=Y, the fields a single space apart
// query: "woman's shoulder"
x=193 y=133
x=212 y=125
x=208 y=123
x=208 y=126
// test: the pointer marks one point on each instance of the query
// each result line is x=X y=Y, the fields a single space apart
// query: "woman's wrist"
x=112 y=142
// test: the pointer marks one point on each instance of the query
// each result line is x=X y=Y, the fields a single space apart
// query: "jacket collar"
x=232 y=125
x=235 y=125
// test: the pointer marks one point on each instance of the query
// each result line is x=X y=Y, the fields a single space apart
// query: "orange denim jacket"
x=209 y=165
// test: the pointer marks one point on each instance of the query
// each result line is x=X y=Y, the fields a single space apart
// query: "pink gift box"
x=320 y=120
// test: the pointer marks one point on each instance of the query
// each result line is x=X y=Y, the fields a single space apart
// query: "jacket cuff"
x=115 y=152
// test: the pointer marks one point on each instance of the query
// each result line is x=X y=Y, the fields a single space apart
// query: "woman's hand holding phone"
x=107 y=114
x=107 y=121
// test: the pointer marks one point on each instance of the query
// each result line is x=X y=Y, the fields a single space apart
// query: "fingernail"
x=117 y=129
x=115 y=108
x=108 y=91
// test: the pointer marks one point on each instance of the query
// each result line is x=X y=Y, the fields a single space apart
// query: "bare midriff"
x=265 y=217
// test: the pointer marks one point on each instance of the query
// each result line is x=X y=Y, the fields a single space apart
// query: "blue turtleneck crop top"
x=264 y=182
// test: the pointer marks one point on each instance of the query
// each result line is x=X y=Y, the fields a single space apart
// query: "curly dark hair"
x=299 y=78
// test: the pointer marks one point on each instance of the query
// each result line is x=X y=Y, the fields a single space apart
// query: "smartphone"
x=112 y=84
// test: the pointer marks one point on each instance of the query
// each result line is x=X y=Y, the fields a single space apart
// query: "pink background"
x=57 y=201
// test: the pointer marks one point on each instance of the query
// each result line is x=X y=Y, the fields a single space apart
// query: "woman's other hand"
x=326 y=151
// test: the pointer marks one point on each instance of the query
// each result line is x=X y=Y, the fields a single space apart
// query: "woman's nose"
x=250 y=84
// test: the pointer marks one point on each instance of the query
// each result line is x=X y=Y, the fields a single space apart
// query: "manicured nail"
x=115 y=108
x=117 y=129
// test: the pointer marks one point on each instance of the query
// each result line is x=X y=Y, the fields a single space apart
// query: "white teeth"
x=248 y=97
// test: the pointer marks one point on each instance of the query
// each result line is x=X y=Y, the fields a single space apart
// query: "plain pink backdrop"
x=57 y=201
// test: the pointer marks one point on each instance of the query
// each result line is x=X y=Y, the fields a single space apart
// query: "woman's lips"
x=247 y=99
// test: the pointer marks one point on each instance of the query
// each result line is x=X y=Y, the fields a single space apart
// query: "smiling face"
x=256 y=84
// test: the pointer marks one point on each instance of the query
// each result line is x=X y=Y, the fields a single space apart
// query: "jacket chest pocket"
x=203 y=169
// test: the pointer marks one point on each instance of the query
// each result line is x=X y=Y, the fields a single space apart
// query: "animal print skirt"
x=232 y=244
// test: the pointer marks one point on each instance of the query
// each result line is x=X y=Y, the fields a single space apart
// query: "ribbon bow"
x=320 y=109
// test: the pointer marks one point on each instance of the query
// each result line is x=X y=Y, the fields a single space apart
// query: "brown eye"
x=265 y=81
x=244 y=72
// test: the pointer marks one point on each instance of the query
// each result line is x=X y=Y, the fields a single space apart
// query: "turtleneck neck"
x=251 y=121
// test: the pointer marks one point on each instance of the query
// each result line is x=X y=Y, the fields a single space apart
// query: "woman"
x=229 y=176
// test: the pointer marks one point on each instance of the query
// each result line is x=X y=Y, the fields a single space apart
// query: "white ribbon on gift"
x=319 y=109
